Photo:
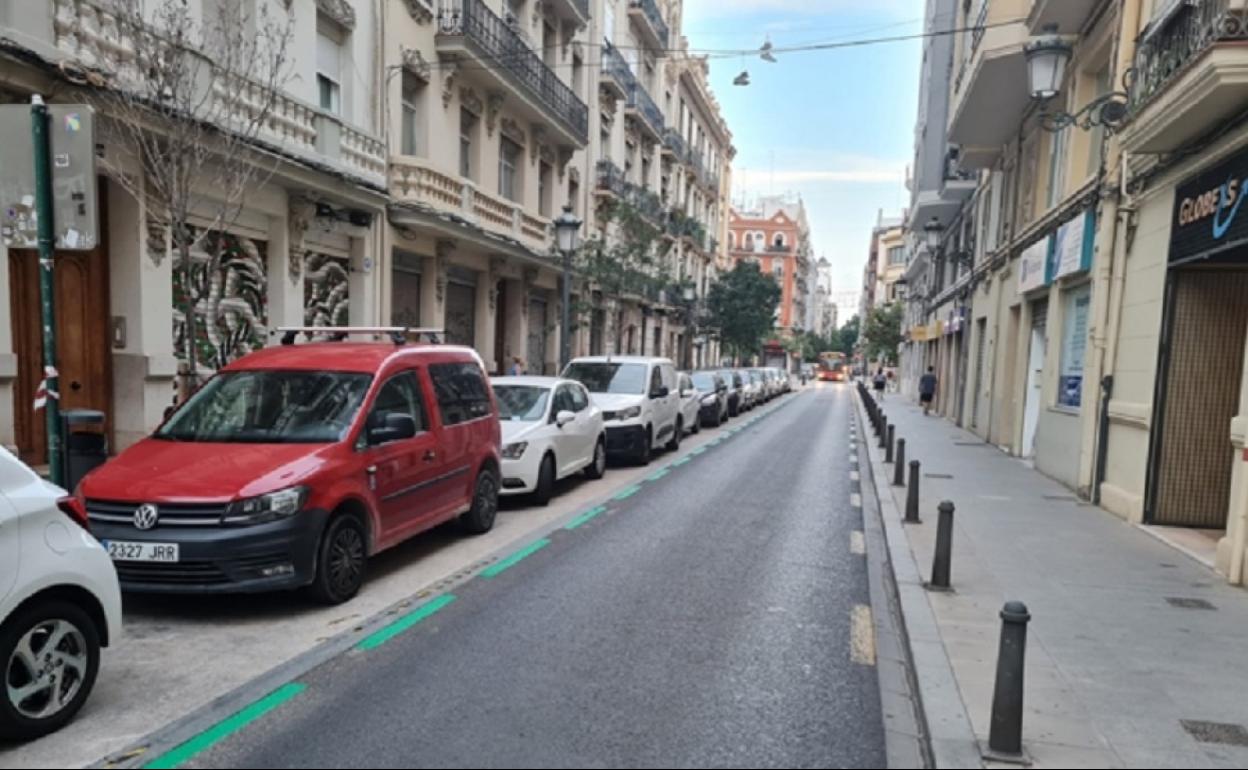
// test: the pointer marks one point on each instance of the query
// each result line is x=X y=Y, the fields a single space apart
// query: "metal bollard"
x=942 y=560
x=892 y=441
x=912 y=495
x=899 y=471
x=883 y=431
x=1005 y=735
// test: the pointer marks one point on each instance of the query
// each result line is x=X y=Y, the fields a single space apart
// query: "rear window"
x=461 y=390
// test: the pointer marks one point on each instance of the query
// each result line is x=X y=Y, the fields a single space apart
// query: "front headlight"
x=710 y=400
x=266 y=508
x=514 y=451
x=631 y=413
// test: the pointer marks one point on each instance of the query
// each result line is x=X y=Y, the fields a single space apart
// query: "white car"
x=690 y=404
x=639 y=401
x=551 y=430
x=59 y=604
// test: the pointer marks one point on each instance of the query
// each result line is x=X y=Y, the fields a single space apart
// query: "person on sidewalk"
x=517 y=366
x=927 y=389
x=880 y=383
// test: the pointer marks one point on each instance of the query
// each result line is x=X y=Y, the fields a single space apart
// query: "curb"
x=942 y=713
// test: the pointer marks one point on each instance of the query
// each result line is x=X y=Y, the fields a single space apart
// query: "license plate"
x=120 y=550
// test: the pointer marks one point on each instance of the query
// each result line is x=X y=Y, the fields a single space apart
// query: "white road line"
x=855 y=500
x=857 y=543
x=862 y=636
x=855 y=476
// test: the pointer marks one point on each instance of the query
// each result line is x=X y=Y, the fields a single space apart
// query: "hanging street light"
x=1048 y=56
x=567 y=239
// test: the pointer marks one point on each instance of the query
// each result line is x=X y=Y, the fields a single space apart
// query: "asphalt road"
x=707 y=620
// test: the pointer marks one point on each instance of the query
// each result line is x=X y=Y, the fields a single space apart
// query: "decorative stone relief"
x=450 y=69
x=565 y=157
x=608 y=102
x=494 y=105
x=471 y=100
x=416 y=63
x=419 y=10
x=512 y=130
x=539 y=139
x=442 y=258
x=632 y=134
x=298 y=219
x=546 y=153
x=339 y=10
x=574 y=173
x=157 y=245
x=494 y=276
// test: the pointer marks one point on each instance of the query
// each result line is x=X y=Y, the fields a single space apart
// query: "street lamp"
x=1047 y=58
x=567 y=238
x=931 y=234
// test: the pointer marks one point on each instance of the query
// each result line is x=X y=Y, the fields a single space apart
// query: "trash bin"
x=86 y=446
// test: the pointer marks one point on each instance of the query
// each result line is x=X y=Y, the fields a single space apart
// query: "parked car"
x=763 y=384
x=294 y=464
x=690 y=403
x=714 y=405
x=751 y=388
x=59 y=604
x=639 y=401
x=735 y=384
x=550 y=431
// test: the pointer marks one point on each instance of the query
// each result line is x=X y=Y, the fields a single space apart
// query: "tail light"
x=74 y=509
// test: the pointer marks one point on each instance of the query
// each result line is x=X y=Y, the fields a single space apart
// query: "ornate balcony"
x=643 y=109
x=494 y=51
x=649 y=19
x=611 y=182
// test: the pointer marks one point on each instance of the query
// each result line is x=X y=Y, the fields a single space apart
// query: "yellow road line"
x=862 y=636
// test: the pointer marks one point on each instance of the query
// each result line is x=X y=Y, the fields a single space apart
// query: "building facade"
x=775 y=234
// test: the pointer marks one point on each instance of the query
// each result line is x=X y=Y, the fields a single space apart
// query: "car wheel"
x=598 y=468
x=50 y=655
x=647 y=449
x=341 y=561
x=697 y=425
x=545 y=481
x=674 y=442
x=480 y=517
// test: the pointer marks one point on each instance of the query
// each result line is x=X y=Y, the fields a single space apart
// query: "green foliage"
x=882 y=334
x=845 y=339
x=742 y=305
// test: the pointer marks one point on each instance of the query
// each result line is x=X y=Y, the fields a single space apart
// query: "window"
x=412 y=91
x=780 y=273
x=461 y=391
x=656 y=379
x=467 y=133
x=608 y=21
x=779 y=241
x=1074 y=347
x=509 y=169
x=574 y=196
x=604 y=143
x=563 y=402
x=1057 y=167
x=1096 y=146
x=580 y=399
x=544 y=188
x=578 y=75
x=400 y=395
x=329 y=40
x=521 y=403
x=645 y=170
x=897 y=255
x=610 y=377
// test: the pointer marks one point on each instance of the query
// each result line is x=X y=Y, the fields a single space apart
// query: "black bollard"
x=942 y=560
x=1005 y=735
x=883 y=431
x=912 y=495
x=899 y=471
x=892 y=441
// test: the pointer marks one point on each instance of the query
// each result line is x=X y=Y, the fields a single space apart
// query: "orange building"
x=775 y=235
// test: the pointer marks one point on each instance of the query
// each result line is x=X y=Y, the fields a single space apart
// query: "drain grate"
x=1187 y=603
x=937 y=476
x=1216 y=732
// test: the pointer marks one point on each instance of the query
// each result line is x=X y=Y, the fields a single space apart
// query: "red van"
x=294 y=464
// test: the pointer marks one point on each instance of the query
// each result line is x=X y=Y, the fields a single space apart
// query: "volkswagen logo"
x=146 y=516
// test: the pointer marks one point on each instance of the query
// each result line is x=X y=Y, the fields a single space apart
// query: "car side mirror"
x=564 y=417
x=395 y=428
x=662 y=392
x=686 y=393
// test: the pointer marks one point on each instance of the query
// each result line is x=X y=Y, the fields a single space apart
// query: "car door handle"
x=430 y=456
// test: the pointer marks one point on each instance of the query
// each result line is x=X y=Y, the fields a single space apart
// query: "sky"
x=835 y=126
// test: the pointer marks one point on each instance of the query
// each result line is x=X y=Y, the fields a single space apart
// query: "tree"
x=184 y=111
x=626 y=261
x=846 y=338
x=882 y=334
x=742 y=305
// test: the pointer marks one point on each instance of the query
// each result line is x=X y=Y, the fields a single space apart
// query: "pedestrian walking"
x=517 y=366
x=927 y=389
x=880 y=382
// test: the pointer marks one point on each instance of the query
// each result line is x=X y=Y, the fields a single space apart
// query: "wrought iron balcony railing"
x=653 y=15
x=1166 y=50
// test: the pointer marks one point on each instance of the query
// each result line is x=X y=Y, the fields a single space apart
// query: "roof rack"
x=397 y=334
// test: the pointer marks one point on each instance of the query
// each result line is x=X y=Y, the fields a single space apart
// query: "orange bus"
x=831 y=367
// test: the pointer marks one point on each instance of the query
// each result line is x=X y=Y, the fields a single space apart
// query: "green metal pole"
x=43 y=209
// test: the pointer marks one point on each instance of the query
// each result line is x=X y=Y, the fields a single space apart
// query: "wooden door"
x=83 y=343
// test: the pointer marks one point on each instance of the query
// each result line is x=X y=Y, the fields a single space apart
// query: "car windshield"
x=270 y=407
x=521 y=403
x=605 y=377
x=704 y=381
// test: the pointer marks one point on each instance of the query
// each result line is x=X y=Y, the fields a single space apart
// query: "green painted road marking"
x=627 y=492
x=496 y=569
x=682 y=461
x=379 y=638
x=586 y=516
x=660 y=473
x=698 y=451
x=224 y=729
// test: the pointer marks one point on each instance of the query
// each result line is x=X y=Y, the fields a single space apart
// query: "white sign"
x=1031 y=266
x=1074 y=347
x=1068 y=247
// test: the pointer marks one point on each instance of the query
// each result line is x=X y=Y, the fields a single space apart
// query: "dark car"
x=736 y=391
x=714 y=410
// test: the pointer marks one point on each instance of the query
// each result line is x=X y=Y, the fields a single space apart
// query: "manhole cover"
x=1216 y=732
x=937 y=476
x=1188 y=603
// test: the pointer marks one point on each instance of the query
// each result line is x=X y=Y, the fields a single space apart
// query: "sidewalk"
x=1116 y=665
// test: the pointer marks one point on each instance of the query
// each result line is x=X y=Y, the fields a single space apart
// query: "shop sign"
x=1074 y=347
x=918 y=334
x=1207 y=216
x=1032 y=266
x=1073 y=244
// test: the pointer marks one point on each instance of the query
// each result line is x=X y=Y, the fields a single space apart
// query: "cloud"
x=845 y=169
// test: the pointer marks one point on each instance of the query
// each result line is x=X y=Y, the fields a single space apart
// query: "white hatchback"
x=59 y=604
x=551 y=430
